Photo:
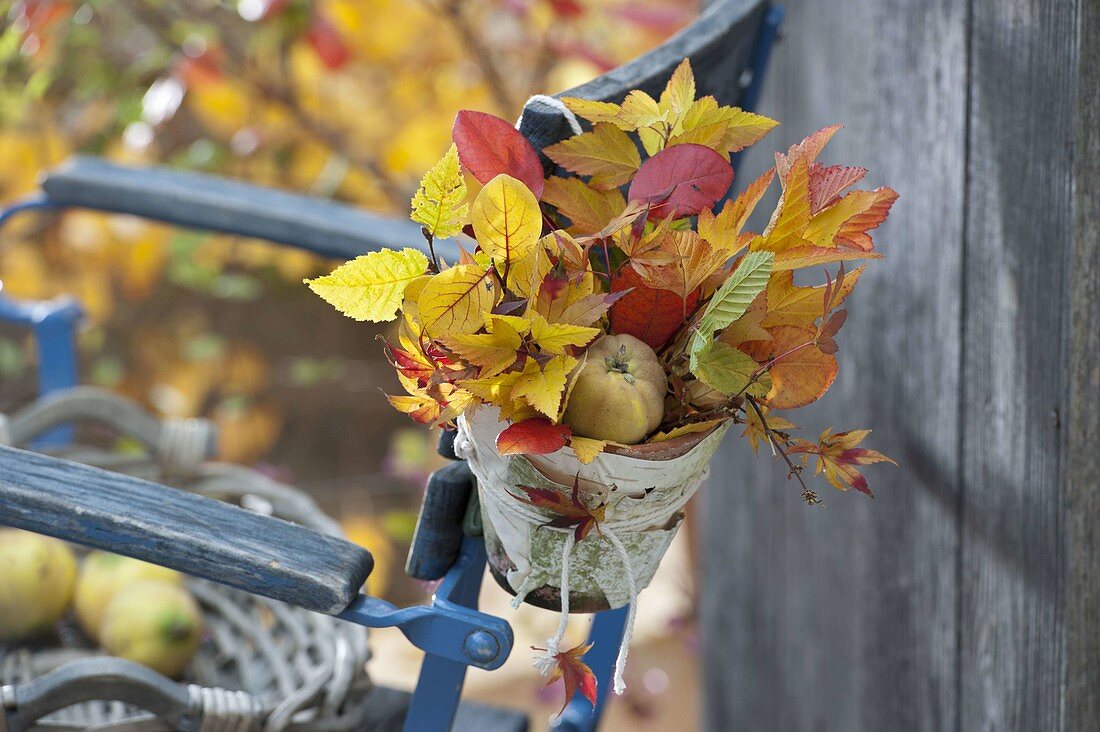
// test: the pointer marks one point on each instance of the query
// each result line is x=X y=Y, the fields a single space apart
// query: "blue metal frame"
x=451 y=631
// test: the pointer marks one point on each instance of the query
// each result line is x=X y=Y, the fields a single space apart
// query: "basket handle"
x=105 y=679
x=173 y=528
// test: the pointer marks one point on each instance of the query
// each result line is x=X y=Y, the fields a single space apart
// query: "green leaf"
x=733 y=298
x=723 y=368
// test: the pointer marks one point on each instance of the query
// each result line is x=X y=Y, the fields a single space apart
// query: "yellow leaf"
x=456 y=300
x=605 y=153
x=723 y=231
x=689 y=262
x=493 y=352
x=723 y=129
x=542 y=387
x=440 y=202
x=754 y=428
x=686 y=429
x=495 y=390
x=789 y=304
x=792 y=215
x=586 y=448
x=527 y=274
x=589 y=210
x=371 y=287
x=555 y=337
x=506 y=220
x=596 y=112
x=678 y=94
x=811 y=256
x=518 y=324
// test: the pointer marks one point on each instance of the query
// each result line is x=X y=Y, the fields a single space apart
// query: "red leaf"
x=327 y=43
x=682 y=180
x=489 y=146
x=648 y=314
x=575 y=675
x=571 y=510
x=534 y=436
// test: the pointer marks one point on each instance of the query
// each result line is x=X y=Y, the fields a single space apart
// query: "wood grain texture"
x=1016 y=299
x=1083 y=425
x=844 y=617
x=438 y=536
x=193 y=534
x=214 y=203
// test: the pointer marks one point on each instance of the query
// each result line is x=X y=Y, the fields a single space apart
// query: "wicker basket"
x=263 y=665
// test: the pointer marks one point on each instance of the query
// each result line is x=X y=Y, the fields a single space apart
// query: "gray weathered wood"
x=196 y=535
x=214 y=203
x=1014 y=381
x=1083 y=423
x=967 y=595
x=842 y=617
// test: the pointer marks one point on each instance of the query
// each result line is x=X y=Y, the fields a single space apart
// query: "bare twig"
x=808 y=495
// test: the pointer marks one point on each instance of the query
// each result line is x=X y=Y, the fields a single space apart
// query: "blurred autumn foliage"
x=338 y=98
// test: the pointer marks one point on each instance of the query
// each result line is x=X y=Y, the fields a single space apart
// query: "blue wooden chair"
x=729 y=47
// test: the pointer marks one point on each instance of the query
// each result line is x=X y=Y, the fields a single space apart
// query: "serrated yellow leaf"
x=606 y=154
x=679 y=93
x=792 y=215
x=494 y=352
x=515 y=322
x=586 y=448
x=754 y=428
x=789 y=304
x=824 y=227
x=556 y=337
x=542 y=387
x=811 y=256
x=527 y=274
x=507 y=221
x=723 y=231
x=596 y=112
x=686 y=429
x=641 y=110
x=371 y=287
x=494 y=390
x=457 y=300
x=683 y=263
x=440 y=202
x=723 y=129
x=589 y=210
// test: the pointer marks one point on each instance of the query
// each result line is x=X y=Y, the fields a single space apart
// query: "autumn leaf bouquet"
x=599 y=329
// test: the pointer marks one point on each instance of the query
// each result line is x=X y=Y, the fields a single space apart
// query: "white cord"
x=557 y=104
x=507 y=503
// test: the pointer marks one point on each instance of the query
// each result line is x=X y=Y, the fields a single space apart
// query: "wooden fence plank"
x=1016 y=301
x=844 y=617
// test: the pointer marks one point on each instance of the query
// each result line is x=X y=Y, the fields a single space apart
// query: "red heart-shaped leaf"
x=682 y=180
x=488 y=146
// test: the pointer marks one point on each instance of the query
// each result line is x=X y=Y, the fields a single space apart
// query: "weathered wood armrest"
x=214 y=203
x=193 y=534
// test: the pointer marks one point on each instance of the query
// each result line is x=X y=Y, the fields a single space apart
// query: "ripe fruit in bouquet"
x=155 y=623
x=619 y=393
x=102 y=576
x=36 y=583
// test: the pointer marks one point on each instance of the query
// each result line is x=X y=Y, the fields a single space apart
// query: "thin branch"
x=809 y=496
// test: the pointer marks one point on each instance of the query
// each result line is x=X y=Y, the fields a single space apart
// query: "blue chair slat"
x=191 y=533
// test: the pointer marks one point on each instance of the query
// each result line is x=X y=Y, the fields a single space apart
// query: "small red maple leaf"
x=574 y=673
x=572 y=510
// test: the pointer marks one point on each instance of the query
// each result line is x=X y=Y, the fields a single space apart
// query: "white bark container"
x=645 y=488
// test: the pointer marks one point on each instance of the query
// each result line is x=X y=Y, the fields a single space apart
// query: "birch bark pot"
x=645 y=488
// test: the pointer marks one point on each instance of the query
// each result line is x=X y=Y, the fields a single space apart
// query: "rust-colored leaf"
x=802 y=373
x=575 y=674
x=647 y=313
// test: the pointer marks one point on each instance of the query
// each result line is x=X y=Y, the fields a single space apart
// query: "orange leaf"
x=575 y=675
x=789 y=304
x=534 y=436
x=589 y=210
x=838 y=457
x=854 y=231
x=799 y=378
